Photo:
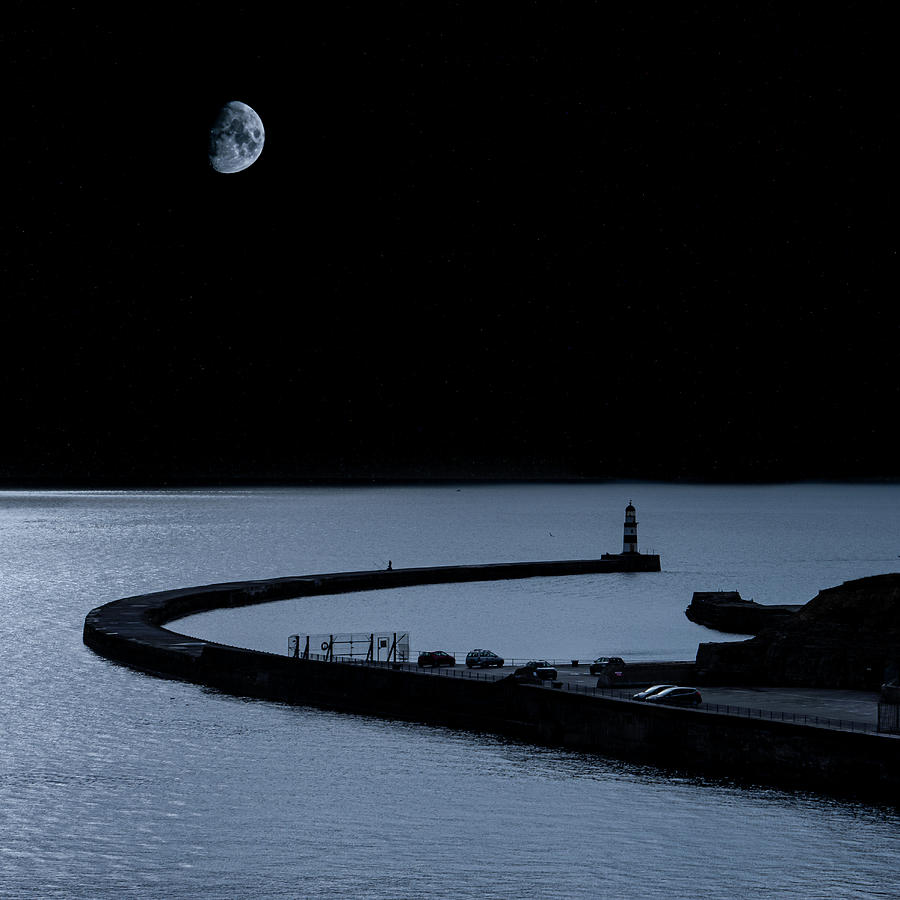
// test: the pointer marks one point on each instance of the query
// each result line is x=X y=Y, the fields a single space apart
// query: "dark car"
x=435 y=658
x=677 y=696
x=483 y=658
x=611 y=670
x=539 y=669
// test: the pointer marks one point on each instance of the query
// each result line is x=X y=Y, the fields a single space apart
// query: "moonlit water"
x=118 y=784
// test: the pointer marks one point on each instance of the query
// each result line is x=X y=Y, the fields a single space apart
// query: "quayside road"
x=838 y=705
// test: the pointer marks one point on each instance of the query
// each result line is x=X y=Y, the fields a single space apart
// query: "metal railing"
x=795 y=718
x=742 y=711
x=888 y=717
x=613 y=693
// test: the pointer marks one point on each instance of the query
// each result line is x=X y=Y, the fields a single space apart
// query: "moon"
x=236 y=138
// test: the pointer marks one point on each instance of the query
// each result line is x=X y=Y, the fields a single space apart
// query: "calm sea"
x=116 y=784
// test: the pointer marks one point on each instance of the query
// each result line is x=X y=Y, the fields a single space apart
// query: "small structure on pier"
x=642 y=562
x=374 y=646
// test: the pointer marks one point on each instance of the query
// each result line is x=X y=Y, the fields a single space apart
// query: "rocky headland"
x=728 y=611
x=845 y=637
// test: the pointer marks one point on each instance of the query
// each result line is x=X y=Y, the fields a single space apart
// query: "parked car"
x=435 y=658
x=610 y=669
x=602 y=663
x=650 y=691
x=483 y=658
x=538 y=668
x=677 y=696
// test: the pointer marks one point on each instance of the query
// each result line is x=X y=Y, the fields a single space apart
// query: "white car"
x=650 y=691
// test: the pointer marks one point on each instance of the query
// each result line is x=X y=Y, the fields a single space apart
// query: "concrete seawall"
x=769 y=752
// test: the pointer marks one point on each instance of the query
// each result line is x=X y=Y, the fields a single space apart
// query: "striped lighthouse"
x=630 y=540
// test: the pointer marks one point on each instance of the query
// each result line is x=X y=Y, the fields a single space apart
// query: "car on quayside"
x=677 y=696
x=650 y=691
x=538 y=669
x=436 y=658
x=609 y=669
x=483 y=659
x=603 y=663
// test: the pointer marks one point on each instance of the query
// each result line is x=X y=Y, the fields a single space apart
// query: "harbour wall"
x=694 y=741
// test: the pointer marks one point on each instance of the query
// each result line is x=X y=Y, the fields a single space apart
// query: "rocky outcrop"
x=728 y=611
x=845 y=637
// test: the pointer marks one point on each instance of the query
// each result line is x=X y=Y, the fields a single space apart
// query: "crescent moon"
x=236 y=138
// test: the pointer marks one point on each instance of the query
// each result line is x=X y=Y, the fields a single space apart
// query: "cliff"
x=845 y=637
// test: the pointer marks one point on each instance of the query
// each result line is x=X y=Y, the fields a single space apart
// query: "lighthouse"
x=629 y=544
x=629 y=560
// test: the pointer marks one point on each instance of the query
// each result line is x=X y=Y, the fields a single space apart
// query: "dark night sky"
x=560 y=242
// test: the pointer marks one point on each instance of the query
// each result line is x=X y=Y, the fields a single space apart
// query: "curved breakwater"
x=130 y=631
